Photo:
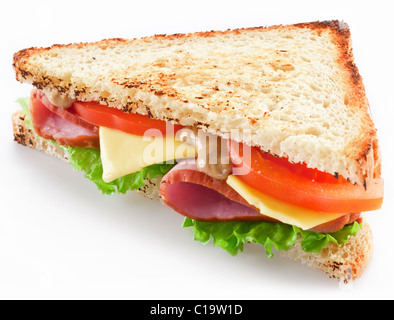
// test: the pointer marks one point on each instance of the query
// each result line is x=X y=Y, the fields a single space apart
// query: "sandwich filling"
x=238 y=186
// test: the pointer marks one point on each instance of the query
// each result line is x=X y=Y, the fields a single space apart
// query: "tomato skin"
x=302 y=186
x=132 y=123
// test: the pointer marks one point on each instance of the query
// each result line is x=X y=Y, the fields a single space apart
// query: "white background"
x=61 y=239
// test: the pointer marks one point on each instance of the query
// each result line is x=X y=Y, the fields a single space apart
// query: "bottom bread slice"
x=346 y=262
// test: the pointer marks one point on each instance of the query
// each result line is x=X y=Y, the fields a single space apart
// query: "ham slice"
x=196 y=195
x=58 y=124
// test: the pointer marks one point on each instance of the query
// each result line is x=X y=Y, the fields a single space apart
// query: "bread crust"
x=363 y=153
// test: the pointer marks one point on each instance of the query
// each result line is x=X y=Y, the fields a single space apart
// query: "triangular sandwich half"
x=285 y=106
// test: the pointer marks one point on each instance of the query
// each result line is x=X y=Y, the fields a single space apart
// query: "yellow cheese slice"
x=123 y=153
x=284 y=212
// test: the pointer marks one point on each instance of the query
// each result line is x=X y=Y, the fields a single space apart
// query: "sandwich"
x=258 y=135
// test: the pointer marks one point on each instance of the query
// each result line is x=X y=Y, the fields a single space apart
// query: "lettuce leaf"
x=315 y=242
x=232 y=236
x=89 y=162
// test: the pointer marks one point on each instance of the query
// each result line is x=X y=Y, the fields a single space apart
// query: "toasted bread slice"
x=346 y=262
x=294 y=88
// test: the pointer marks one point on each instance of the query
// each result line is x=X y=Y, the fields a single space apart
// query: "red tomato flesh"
x=302 y=186
x=132 y=123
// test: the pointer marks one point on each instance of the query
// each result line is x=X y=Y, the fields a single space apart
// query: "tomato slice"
x=104 y=116
x=299 y=185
